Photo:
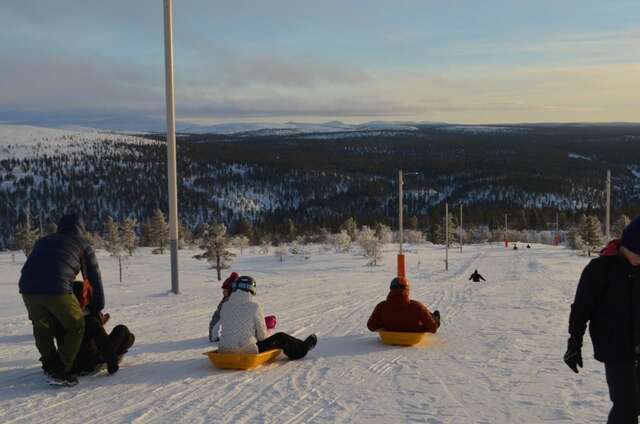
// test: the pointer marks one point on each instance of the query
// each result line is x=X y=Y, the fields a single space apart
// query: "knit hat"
x=245 y=283
x=399 y=283
x=70 y=224
x=631 y=236
x=229 y=281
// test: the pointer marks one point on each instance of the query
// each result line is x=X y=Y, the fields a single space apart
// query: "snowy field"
x=496 y=359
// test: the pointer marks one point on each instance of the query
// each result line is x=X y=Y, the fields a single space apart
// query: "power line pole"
x=400 y=264
x=608 y=218
x=506 y=232
x=171 y=142
x=460 y=228
x=446 y=231
x=400 y=206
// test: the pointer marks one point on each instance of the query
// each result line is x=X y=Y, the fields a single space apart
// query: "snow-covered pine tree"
x=414 y=236
x=26 y=236
x=341 y=242
x=215 y=244
x=413 y=223
x=370 y=244
x=619 y=225
x=350 y=227
x=241 y=242
x=129 y=237
x=145 y=233
x=281 y=251
x=440 y=234
x=265 y=244
x=113 y=242
x=591 y=233
x=158 y=231
x=291 y=229
x=384 y=233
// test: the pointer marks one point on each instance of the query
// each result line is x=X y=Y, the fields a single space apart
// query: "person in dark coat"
x=399 y=313
x=608 y=299
x=46 y=287
x=476 y=277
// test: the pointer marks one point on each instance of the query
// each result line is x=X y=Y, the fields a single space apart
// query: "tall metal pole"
x=446 y=231
x=400 y=194
x=608 y=218
x=460 y=228
x=171 y=142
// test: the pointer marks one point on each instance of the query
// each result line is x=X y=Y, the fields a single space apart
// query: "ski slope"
x=496 y=359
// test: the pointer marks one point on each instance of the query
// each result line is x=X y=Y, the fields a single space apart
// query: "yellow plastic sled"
x=241 y=361
x=397 y=338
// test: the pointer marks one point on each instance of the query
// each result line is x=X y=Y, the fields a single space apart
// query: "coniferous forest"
x=260 y=183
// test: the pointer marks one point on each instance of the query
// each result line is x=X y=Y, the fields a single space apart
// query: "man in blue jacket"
x=46 y=285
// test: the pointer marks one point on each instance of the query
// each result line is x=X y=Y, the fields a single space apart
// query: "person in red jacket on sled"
x=399 y=313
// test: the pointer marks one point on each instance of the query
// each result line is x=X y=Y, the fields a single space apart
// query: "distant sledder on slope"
x=243 y=327
x=608 y=298
x=46 y=285
x=476 y=277
x=399 y=313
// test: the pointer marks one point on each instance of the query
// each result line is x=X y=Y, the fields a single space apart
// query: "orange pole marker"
x=401 y=268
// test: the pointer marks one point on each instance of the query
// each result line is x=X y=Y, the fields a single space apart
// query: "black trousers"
x=109 y=348
x=292 y=347
x=624 y=390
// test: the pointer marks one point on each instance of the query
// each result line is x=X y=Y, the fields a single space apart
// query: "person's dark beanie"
x=631 y=236
x=70 y=223
x=399 y=283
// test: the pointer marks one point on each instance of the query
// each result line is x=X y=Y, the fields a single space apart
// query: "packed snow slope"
x=496 y=359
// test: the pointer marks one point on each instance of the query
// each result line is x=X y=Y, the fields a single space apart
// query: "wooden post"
x=446 y=231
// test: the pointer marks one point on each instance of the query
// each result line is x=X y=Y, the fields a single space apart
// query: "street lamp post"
x=171 y=143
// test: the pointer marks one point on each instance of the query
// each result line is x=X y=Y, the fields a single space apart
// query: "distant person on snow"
x=98 y=349
x=528 y=246
x=515 y=247
x=244 y=329
x=214 y=324
x=399 y=313
x=476 y=277
x=46 y=285
x=608 y=298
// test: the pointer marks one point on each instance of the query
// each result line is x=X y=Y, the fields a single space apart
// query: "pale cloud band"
x=400 y=73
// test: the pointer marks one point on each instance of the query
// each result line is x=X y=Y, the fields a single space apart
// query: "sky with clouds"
x=465 y=61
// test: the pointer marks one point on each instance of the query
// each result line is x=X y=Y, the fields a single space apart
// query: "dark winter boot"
x=311 y=342
x=52 y=365
x=63 y=378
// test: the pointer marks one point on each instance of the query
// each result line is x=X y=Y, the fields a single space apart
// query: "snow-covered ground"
x=496 y=359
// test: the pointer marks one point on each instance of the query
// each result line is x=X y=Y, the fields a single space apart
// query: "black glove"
x=113 y=367
x=573 y=356
x=436 y=317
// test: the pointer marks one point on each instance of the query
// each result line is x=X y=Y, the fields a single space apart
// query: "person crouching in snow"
x=399 y=313
x=244 y=329
x=98 y=349
x=214 y=324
